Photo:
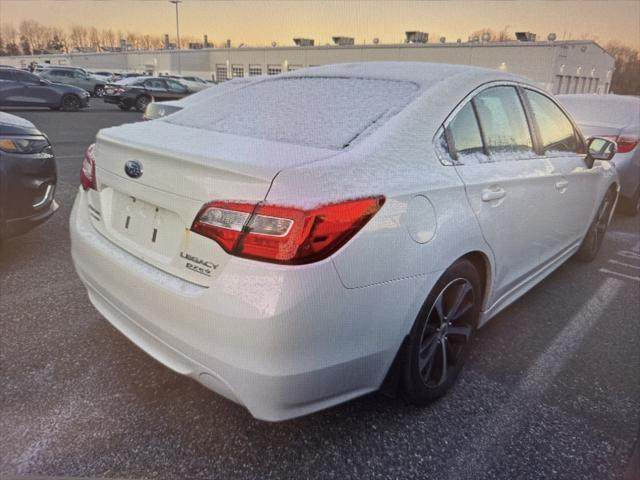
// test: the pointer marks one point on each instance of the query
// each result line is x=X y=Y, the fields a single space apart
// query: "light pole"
x=176 y=3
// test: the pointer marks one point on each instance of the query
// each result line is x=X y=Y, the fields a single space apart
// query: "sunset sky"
x=261 y=22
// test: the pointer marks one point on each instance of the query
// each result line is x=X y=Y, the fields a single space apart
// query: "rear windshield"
x=318 y=112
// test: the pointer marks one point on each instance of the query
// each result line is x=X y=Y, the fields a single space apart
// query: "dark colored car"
x=144 y=91
x=27 y=176
x=24 y=89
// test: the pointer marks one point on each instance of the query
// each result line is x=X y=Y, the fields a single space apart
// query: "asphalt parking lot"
x=552 y=388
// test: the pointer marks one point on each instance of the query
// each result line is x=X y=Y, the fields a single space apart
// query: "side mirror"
x=599 y=148
x=43 y=82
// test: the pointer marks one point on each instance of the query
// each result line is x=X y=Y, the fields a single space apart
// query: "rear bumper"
x=114 y=99
x=281 y=341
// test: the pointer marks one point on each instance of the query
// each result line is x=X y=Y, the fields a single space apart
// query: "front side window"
x=503 y=123
x=556 y=131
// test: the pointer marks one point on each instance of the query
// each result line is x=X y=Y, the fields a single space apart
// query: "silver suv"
x=78 y=77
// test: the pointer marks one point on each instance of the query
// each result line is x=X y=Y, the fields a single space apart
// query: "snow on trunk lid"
x=150 y=216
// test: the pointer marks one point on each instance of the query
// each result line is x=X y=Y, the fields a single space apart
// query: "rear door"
x=509 y=188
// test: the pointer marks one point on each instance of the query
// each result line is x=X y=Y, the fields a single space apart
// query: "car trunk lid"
x=181 y=169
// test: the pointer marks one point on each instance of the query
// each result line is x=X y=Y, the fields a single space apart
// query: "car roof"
x=424 y=74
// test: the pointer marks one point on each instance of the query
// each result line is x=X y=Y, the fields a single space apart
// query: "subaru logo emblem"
x=133 y=168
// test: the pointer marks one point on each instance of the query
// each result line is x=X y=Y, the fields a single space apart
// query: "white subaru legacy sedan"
x=308 y=238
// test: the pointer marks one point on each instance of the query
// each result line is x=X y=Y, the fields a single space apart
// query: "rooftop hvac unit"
x=443 y=39
x=343 y=40
x=525 y=36
x=376 y=41
x=304 y=42
x=416 y=37
x=552 y=37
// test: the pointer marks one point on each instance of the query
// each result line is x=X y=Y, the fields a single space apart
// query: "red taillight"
x=88 y=171
x=284 y=234
x=625 y=143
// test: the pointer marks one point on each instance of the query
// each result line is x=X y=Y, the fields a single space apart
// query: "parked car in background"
x=157 y=110
x=23 y=89
x=139 y=93
x=27 y=176
x=193 y=83
x=616 y=117
x=109 y=76
x=313 y=234
x=77 y=77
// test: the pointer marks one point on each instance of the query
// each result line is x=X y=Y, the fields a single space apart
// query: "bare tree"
x=626 y=76
x=78 y=37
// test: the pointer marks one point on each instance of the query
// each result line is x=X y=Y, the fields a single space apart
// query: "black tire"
x=124 y=107
x=98 y=92
x=141 y=102
x=592 y=241
x=631 y=206
x=70 y=103
x=442 y=335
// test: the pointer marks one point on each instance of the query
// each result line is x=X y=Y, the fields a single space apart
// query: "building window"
x=590 y=85
x=255 y=70
x=606 y=87
x=274 y=69
x=558 y=89
x=221 y=73
x=237 y=71
x=291 y=68
x=595 y=85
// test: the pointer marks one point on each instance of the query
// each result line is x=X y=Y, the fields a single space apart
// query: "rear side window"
x=176 y=87
x=155 y=84
x=26 y=77
x=5 y=75
x=463 y=133
x=556 y=131
x=504 y=123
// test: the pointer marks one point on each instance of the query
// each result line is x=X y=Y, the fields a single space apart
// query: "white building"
x=574 y=66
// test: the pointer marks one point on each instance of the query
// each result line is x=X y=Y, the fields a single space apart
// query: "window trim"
x=530 y=118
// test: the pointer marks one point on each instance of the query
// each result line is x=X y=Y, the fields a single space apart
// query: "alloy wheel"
x=447 y=331
x=70 y=102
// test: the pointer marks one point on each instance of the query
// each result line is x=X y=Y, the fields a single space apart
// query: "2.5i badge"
x=203 y=267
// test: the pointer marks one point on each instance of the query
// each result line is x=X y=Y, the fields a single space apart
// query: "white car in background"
x=193 y=83
x=616 y=117
x=295 y=242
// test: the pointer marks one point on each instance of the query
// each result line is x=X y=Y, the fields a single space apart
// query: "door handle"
x=562 y=184
x=489 y=194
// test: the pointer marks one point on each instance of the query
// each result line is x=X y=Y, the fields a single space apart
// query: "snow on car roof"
x=324 y=107
x=614 y=110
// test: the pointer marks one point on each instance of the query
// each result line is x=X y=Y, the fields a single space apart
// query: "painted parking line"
x=619 y=274
x=530 y=390
x=617 y=262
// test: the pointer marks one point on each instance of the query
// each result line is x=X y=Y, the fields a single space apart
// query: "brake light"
x=88 y=171
x=283 y=234
x=625 y=143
